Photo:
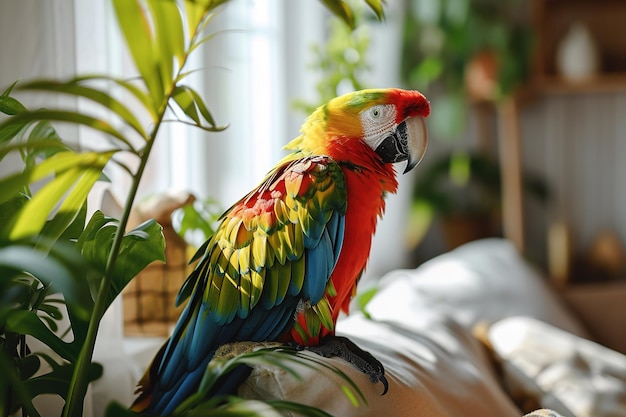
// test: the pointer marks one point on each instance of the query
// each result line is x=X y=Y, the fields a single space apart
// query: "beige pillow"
x=435 y=368
x=483 y=281
x=544 y=365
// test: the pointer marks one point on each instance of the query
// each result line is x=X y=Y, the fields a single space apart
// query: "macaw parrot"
x=286 y=258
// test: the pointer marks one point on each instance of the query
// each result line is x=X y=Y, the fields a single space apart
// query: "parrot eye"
x=378 y=122
x=380 y=113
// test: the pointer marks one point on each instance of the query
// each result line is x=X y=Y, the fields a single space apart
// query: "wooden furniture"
x=511 y=171
x=605 y=20
x=551 y=19
x=601 y=308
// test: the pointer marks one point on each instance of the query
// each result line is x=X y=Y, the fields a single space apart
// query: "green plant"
x=443 y=38
x=56 y=262
x=462 y=185
x=340 y=61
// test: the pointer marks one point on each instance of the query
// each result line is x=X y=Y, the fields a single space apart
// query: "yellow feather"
x=258 y=282
x=259 y=250
x=244 y=259
x=281 y=211
x=228 y=226
x=292 y=185
x=238 y=235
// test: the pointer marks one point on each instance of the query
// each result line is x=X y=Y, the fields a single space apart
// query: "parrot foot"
x=344 y=348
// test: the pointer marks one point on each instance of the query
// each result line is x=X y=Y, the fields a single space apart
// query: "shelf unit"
x=605 y=19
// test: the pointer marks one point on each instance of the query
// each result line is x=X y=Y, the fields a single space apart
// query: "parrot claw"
x=344 y=348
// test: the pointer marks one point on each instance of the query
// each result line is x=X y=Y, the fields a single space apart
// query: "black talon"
x=344 y=348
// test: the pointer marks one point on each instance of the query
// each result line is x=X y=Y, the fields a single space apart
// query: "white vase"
x=577 y=55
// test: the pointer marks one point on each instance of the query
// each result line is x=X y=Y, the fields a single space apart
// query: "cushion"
x=544 y=365
x=434 y=369
x=482 y=281
x=420 y=329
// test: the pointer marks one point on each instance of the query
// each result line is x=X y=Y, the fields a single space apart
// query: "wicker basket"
x=149 y=299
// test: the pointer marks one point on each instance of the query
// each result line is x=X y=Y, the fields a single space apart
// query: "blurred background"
x=527 y=134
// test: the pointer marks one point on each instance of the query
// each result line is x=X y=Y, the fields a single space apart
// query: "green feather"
x=258 y=282
x=298 y=270
x=270 y=289
x=313 y=323
x=284 y=278
x=245 y=293
x=301 y=332
x=324 y=314
x=228 y=300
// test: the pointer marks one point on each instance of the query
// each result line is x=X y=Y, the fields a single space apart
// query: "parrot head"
x=388 y=123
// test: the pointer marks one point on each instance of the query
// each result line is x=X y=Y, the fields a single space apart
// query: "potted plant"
x=463 y=190
x=465 y=50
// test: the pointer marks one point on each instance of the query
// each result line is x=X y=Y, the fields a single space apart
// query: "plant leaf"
x=10 y=105
x=11 y=380
x=281 y=357
x=28 y=366
x=9 y=130
x=168 y=28
x=27 y=322
x=131 y=88
x=10 y=88
x=114 y=409
x=134 y=21
x=42 y=134
x=299 y=409
x=9 y=210
x=204 y=111
x=195 y=11
x=72 y=206
x=82 y=175
x=185 y=102
x=55 y=264
x=190 y=102
x=22 y=119
x=377 y=8
x=57 y=381
x=139 y=247
x=343 y=11
x=76 y=88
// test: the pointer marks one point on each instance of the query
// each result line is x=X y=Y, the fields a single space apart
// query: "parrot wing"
x=274 y=251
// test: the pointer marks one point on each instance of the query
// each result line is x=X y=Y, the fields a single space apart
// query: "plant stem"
x=78 y=386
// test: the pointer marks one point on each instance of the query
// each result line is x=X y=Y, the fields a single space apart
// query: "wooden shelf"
x=605 y=19
x=605 y=83
x=601 y=308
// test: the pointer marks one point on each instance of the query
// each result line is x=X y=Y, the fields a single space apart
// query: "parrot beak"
x=407 y=143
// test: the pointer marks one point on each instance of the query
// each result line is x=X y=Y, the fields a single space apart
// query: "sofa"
x=474 y=332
